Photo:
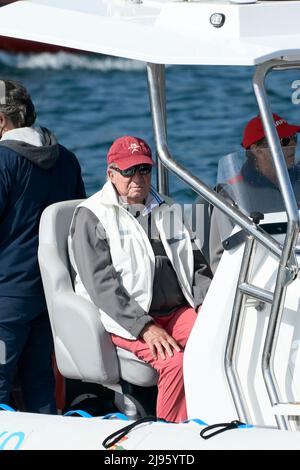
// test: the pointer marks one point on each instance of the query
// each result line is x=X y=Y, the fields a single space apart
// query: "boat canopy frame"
x=285 y=253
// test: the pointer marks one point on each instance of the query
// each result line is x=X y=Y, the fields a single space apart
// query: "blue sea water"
x=88 y=101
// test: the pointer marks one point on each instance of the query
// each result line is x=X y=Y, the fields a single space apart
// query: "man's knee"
x=174 y=363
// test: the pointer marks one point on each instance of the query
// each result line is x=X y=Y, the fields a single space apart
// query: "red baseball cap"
x=129 y=151
x=254 y=130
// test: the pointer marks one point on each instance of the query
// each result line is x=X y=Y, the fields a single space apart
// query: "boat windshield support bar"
x=192 y=181
x=256 y=292
x=162 y=173
x=234 y=335
x=291 y=234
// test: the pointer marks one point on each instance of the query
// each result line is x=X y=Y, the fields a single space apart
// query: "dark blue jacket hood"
x=45 y=157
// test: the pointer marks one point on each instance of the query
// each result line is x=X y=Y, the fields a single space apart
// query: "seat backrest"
x=83 y=348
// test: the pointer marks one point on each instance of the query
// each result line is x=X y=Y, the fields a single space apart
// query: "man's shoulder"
x=9 y=157
x=68 y=158
x=7 y=150
x=84 y=214
x=64 y=151
x=86 y=221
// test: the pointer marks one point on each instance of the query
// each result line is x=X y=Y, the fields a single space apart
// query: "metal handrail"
x=234 y=335
x=256 y=292
x=195 y=183
x=283 y=275
x=287 y=264
x=162 y=173
x=154 y=84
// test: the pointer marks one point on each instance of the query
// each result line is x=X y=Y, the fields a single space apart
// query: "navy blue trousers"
x=26 y=343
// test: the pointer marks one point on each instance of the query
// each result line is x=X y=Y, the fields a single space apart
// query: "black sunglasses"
x=142 y=169
x=285 y=141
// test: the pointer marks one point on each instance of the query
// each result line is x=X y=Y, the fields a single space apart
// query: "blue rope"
x=116 y=416
x=6 y=407
x=81 y=413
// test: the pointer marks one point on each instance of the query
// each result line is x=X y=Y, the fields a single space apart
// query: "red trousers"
x=171 y=403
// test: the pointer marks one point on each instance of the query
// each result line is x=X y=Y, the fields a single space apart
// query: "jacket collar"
x=109 y=196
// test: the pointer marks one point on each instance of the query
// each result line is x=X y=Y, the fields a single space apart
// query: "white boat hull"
x=24 y=431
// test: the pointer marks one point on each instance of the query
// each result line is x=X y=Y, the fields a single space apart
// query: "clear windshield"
x=250 y=182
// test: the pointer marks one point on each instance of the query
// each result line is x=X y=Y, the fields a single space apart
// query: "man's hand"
x=158 y=341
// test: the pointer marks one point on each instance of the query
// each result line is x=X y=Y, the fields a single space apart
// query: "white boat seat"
x=83 y=348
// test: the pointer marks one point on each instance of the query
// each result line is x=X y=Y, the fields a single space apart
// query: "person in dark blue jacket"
x=35 y=171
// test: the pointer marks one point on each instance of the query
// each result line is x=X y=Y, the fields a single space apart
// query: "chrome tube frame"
x=161 y=171
x=260 y=294
x=217 y=200
x=288 y=196
x=234 y=334
x=287 y=266
x=197 y=185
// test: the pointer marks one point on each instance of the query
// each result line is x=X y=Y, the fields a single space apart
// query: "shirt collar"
x=152 y=200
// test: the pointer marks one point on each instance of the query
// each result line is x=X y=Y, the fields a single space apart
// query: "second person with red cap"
x=257 y=181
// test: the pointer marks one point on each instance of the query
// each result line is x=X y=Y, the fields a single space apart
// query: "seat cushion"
x=134 y=370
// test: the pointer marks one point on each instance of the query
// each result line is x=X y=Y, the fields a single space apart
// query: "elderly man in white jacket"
x=135 y=259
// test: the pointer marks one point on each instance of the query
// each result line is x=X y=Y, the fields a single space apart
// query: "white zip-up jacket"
x=132 y=257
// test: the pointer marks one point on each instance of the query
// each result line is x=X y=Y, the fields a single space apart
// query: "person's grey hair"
x=16 y=103
x=111 y=165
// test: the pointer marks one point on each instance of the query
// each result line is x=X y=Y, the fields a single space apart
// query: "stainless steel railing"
x=287 y=269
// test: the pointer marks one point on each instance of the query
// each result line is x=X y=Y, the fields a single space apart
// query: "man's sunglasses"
x=284 y=141
x=129 y=172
